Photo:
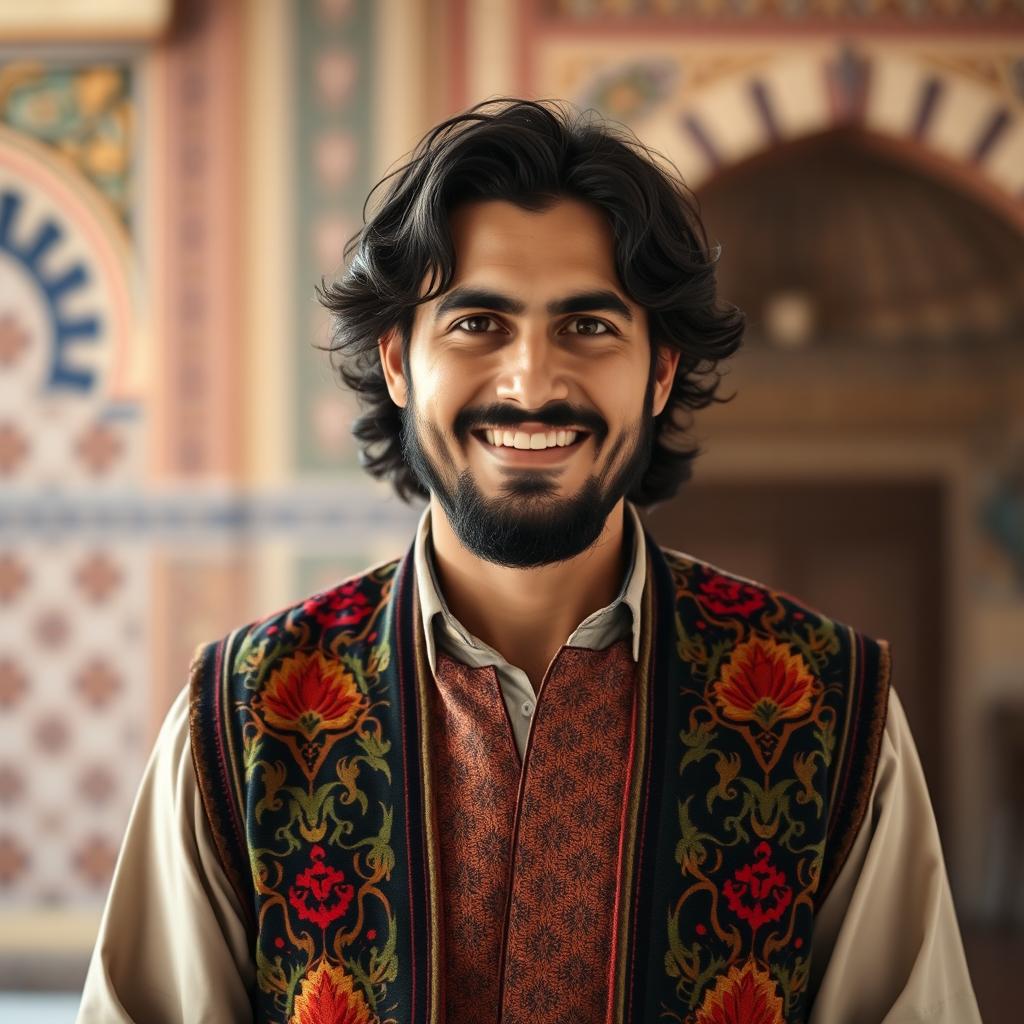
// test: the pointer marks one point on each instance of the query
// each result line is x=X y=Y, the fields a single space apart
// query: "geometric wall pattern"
x=332 y=132
x=72 y=657
x=72 y=627
x=114 y=559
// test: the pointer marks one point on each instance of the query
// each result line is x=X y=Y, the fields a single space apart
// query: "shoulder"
x=719 y=595
x=805 y=678
x=734 y=626
x=344 y=614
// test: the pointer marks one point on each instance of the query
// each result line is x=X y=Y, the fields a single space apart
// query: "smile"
x=535 y=440
x=531 y=448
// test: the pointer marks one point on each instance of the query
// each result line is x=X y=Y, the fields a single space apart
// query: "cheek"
x=439 y=394
x=461 y=382
x=619 y=392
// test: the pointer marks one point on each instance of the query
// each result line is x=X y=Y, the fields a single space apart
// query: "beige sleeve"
x=171 y=944
x=887 y=947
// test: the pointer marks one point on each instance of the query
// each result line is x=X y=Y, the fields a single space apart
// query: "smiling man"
x=535 y=321
x=539 y=768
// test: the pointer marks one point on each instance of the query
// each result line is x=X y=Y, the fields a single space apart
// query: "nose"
x=532 y=372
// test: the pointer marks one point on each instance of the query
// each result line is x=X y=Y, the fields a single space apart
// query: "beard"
x=529 y=524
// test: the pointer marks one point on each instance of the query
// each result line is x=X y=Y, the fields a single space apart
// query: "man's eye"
x=467 y=324
x=589 y=324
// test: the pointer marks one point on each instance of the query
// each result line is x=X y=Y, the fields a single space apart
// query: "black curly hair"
x=531 y=154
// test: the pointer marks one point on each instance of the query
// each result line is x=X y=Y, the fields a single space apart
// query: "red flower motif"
x=757 y=892
x=746 y=995
x=320 y=893
x=725 y=596
x=342 y=606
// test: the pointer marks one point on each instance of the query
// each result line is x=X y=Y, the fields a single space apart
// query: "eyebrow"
x=580 y=302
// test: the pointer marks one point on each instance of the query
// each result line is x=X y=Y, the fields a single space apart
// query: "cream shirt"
x=172 y=945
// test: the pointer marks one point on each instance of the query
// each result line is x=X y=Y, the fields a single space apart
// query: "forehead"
x=499 y=240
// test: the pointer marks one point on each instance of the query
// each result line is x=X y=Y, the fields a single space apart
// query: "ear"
x=664 y=375
x=390 y=348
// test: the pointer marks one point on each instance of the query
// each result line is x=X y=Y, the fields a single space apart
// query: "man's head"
x=532 y=270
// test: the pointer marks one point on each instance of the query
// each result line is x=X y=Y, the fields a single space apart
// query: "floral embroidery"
x=724 y=596
x=753 y=821
x=328 y=996
x=316 y=759
x=746 y=995
x=320 y=893
x=308 y=693
x=346 y=605
x=757 y=892
x=764 y=682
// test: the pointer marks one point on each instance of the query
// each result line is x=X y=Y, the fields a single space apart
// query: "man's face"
x=535 y=335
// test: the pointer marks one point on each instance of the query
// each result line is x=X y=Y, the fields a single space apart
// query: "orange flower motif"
x=327 y=996
x=310 y=693
x=746 y=995
x=764 y=682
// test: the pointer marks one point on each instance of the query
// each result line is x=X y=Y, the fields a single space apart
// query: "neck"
x=528 y=614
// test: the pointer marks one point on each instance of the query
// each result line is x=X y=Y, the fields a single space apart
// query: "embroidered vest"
x=660 y=856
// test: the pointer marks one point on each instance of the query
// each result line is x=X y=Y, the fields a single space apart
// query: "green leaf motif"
x=384 y=962
x=375 y=750
x=273 y=779
x=355 y=666
x=380 y=658
x=348 y=773
x=690 y=850
x=380 y=857
x=728 y=767
x=691 y=648
x=791 y=981
x=826 y=736
x=697 y=741
x=252 y=746
x=684 y=964
x=769 y=805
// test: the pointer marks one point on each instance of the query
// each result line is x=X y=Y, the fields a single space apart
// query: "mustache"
x=555 y=417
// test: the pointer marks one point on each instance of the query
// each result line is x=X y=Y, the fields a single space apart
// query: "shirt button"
x=527 y=708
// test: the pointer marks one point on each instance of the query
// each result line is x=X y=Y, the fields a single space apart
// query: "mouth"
x=548 y=455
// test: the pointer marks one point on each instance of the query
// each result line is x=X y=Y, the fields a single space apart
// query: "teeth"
x=526 y=442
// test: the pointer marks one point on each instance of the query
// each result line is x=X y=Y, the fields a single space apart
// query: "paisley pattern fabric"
x=476 y=781
x=731 y=790
x=540 y=884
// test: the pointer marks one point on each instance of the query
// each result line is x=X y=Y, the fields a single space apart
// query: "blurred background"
x=177 y=175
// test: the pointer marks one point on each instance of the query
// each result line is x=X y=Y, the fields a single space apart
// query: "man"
x=539 y=769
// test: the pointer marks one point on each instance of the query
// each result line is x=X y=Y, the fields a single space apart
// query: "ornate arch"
x=711 y=107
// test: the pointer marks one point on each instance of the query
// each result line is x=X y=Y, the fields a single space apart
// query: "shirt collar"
x=433 y=604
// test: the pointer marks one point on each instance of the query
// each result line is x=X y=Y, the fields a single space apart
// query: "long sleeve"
x=171 y=948
x=886 y=945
